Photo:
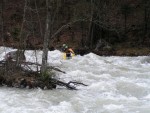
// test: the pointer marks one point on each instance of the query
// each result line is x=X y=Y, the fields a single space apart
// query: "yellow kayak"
x=65 y=57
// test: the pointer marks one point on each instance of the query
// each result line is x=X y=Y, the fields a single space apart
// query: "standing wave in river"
x=115 y=85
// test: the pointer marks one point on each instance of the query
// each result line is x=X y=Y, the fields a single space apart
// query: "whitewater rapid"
x=115 y=85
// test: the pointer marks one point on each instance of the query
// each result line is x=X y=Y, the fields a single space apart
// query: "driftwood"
x=68 y=85
x=14 y=76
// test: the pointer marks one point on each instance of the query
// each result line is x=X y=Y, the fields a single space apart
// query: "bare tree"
x=46 y=38
x=146 y=16
x=2 y=21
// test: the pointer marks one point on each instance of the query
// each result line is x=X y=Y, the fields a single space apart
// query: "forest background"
x=105 y=27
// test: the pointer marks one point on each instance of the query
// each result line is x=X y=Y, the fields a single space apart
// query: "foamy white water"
x=116 y=85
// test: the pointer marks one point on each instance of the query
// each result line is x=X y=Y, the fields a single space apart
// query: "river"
x=115 y=85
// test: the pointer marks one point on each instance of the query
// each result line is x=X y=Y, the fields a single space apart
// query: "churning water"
x=115 y=85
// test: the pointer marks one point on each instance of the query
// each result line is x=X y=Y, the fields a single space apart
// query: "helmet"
x=64 y=45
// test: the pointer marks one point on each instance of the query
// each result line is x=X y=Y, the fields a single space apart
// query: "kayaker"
x=68 y=52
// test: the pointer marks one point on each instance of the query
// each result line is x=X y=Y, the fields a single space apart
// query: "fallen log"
x=67 y=85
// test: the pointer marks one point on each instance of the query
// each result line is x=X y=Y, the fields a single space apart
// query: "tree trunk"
x=46 y=39
x=2 y=20
x=125 y=24
x=39 y=20
x=145 y=21
x=82 y=39
x=90 y=33
x=91 y=36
